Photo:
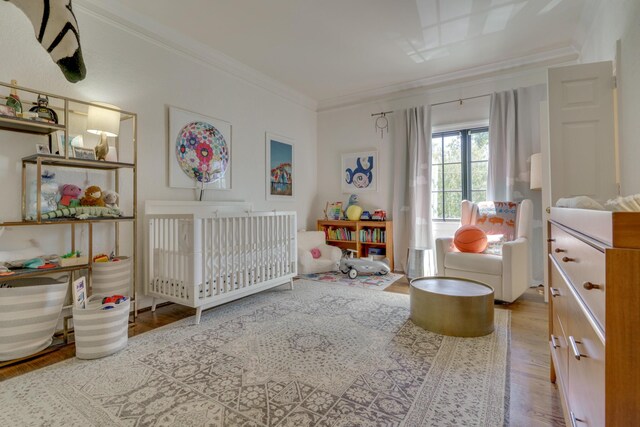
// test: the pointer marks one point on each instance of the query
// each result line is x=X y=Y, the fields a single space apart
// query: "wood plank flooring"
x=534 y=401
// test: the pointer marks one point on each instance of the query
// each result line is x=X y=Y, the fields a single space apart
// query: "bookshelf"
x=360 y=236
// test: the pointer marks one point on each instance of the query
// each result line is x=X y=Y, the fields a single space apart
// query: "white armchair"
x=508 y=274
x=329 y=255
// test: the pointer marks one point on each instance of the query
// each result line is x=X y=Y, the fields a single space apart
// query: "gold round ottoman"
x=452 y=306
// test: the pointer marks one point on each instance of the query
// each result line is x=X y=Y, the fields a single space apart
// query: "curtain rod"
x=460 y=100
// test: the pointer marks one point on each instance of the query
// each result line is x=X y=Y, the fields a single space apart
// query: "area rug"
x=320 y=355
x=368 y=281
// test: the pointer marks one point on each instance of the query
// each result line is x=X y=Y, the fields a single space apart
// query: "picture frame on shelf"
x=42 y=149
x=80 y=292
x=200 y=151
x=83 y=153
x=280 y=167
x=360 y=172
x=57 y=146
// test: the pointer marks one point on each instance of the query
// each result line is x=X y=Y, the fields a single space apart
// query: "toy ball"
x=470 y=238
x=354 y=212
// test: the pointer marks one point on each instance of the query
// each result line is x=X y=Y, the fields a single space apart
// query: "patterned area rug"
x=370 y=281
x=320 y=355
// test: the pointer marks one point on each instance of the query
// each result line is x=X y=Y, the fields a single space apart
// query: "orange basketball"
x=470 y=238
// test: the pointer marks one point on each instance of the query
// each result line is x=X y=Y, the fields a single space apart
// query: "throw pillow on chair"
x=315 y=253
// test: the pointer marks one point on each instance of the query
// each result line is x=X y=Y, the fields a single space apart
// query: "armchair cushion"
x=481 y=263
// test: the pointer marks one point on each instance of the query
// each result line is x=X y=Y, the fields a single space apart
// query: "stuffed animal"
x=92 y=197
x=70 y=196
x=353 y=200
x=110 y=198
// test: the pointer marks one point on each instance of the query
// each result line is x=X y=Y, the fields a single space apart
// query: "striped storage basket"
x=111 y=278
x=29 y=312
x=98 y=332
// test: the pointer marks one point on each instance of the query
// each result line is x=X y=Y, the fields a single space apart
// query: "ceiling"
x=332 y=49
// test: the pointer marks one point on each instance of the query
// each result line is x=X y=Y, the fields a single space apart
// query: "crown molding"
x=540 y=59
x=115 y=13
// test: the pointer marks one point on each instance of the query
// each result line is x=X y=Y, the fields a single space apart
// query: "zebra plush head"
x=57 y=31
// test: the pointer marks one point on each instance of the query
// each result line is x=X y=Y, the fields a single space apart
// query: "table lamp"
x=105 y=123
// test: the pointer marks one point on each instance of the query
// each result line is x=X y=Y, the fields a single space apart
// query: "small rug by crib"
x=319 y=355
x=370 y=281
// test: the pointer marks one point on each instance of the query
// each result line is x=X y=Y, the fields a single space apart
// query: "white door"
x=581 y=131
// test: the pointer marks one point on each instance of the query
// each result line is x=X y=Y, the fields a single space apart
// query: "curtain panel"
x=412 y=183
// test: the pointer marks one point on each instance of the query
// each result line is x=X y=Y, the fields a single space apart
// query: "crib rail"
x=194 y=259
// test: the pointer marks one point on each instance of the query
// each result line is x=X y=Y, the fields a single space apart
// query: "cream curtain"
x=514 y=135
x=411 y=183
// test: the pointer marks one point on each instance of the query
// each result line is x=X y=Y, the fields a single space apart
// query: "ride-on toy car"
x=352 y=266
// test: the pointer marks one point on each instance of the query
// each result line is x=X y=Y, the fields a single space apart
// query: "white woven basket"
x=98 y=332
x=111 y=278
x=29 y=313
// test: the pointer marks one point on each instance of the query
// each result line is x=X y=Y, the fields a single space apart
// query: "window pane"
x=452 y=204
x=436 y=177
x=479 y=173
x=436 y=151
x=436 y=205
x=479 y=146
x=452 y=150
x=453 y=176
x=479 y=196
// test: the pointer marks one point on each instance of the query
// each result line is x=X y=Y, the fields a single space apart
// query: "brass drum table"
x=452 y=306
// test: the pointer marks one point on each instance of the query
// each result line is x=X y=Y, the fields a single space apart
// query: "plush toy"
x=49 y=194
x=110 y=198
x=92 y=197
x=353 y=200
x=70 y=195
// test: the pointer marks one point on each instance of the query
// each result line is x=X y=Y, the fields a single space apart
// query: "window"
x=460 y=167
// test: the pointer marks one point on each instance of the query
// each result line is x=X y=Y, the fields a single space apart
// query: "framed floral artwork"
x=199 y=151
x=280 y=167
x=360 y=172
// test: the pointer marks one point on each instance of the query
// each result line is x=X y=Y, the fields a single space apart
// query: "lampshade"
x=101 y=121
x=536 y=171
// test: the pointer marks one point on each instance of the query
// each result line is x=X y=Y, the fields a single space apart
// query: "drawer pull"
x=554 y=292
x=551 y=240
x=574 y=348
x=574 y=420
x=588 y=286
x=558 y=250
x=567 y=259
x=554 y=343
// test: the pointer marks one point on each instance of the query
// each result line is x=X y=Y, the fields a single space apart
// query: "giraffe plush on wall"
x=56 y=28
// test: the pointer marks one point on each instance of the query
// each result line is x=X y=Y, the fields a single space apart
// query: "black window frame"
x=465 y=164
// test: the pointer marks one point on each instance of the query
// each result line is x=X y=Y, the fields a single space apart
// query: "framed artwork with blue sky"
x=280 y=167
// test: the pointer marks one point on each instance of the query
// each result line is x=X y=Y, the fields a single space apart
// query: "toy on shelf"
x=353 y=210
x=70 y=196
x=92 y=197
x=73 y=258
x=81 y=212
x=335 y=211
x=379 y=215
x=353 y=266
x=366 y=216
x=110 y=198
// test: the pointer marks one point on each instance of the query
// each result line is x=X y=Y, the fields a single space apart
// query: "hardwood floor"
x=534 y=401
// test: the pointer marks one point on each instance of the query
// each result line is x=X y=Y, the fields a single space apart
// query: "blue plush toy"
x=353 y=200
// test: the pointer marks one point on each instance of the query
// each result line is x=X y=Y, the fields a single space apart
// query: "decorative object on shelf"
x=366 y=216
x=43 y=111
x=42 y=149
x=92 y=197
x=335 y=211
x=80 y=212
x=70 y=196
x=79 y=292
x=103 y=122
x=360 y=172
x=280 y=168
x=381 y=123
x=49 y=194
x=13 y=101
x=379 y=215
x=5 y=110
x=83 y=153
x=110 y=198
x=73 y=258
x=199 y=151
x=353 y=210
x=56 y=29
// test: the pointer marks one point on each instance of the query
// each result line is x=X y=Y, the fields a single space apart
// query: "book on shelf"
x=339 y=234
x=373 y=235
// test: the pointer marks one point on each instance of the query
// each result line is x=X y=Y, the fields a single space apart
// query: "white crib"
x=212 y=256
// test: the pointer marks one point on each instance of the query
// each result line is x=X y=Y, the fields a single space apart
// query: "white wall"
x=140 y=75
x=618 y=19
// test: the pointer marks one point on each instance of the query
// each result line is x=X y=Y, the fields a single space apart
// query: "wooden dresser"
x=594 y=315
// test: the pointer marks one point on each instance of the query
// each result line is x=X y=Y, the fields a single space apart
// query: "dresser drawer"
x=584 y=265
x=586 y=362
